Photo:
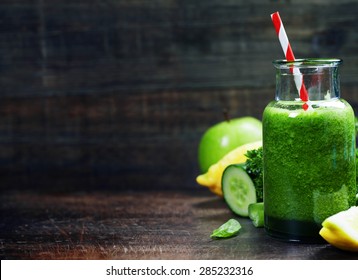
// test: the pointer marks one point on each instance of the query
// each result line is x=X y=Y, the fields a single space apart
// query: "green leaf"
x=229 y=229
x=256 y=214
x=254 y=167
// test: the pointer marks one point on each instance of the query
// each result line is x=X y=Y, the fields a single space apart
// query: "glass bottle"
x=308 y=149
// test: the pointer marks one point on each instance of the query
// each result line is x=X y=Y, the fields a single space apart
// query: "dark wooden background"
x=116 y=94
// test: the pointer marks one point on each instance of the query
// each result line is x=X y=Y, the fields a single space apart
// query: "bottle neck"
x=320 y=78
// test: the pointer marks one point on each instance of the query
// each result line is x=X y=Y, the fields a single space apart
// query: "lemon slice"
x=341 y=229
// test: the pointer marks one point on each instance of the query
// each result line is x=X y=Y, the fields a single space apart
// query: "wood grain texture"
x=135 y=225
x=116 y=94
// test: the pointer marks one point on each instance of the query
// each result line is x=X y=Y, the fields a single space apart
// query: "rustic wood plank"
x=116 y=94
x=89 y=46
x=145 y=225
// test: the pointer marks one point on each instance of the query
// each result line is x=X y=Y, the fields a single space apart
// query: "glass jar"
x=308 y=149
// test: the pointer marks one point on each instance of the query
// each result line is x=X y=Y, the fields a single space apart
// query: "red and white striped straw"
x=286 y=47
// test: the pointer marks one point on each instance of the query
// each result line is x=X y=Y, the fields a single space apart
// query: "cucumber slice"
x=238 y=189
x=256 y=214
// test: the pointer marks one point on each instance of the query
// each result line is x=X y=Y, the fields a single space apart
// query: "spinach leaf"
x=229 y=229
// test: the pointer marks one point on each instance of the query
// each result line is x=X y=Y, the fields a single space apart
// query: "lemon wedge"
x=341 y=229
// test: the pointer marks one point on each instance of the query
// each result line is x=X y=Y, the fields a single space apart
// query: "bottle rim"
x=307 y=63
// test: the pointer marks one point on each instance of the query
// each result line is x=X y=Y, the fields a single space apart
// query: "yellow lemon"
x=341 y=229
x=212 y=178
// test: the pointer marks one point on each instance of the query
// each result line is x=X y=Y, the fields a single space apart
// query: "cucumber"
x=238 y=189
x=256 y=214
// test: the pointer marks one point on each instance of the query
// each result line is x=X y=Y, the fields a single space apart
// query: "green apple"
x=223 y=137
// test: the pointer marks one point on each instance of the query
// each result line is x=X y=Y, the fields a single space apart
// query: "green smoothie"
x=309 y=165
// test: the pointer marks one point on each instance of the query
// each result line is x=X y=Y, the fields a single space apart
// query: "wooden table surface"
x=135 y=225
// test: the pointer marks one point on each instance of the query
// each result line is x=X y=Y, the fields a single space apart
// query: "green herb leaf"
x=256 y=214
x=254 y=167
x=229 y=229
